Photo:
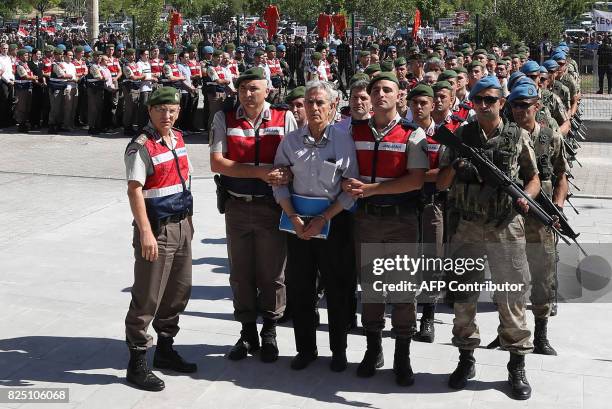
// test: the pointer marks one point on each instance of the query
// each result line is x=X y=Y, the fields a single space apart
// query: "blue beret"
x=120 y=46
x=513 y=77
x=558 y=55
x=208 y=50
x=562 y=43
x=240 y=49
x=524 y=91
x=332 y=51
x=61 y=47
x=87 y=49
x=485 y=83
x=281 y=48
x=550 y=65
x=28 y=48
x=391 y=48
x=521 y=81
x=543 y=70
x=530 y=67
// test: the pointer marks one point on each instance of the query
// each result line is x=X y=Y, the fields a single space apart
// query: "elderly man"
x=244 y=143
x=158 y=173
x=491 y=228
x=331 y=157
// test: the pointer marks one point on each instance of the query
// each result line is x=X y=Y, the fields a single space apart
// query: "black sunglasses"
x=521 y=105
x=489 y=100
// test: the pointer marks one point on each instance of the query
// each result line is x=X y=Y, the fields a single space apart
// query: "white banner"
x=445 y=23
x=602 y=20
x=300 y=31
x=261 y=32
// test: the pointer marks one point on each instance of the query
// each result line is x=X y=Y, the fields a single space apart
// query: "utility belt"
x=431 y=198
x=175 y=218
x=213 y=87
x=133 y=85
x=57 y=85
x=23 y=84
x=95 y=83
x=251 y=198
x=387 y=210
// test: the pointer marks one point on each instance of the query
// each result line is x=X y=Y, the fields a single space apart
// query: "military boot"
x=373 y=357
x=517 y=378
x=139 y=374
x=248 y=342
x=269 y=349
x=540 y=339
x=167 y=358
x=427 y=331
x=401 y=363
x=466 y=369
x=494 y=344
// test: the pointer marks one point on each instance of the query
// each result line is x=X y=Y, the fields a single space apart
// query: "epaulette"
x=281 y=106
x=406 y=124
x=140 y=140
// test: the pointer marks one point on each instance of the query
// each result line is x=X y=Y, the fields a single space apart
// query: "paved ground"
x=65 y=273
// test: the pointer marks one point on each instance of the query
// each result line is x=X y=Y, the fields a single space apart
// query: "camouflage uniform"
x=564 y=93
x=490 y=227
x=555 y=106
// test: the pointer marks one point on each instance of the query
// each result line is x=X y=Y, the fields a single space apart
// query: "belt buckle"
x=248 y=198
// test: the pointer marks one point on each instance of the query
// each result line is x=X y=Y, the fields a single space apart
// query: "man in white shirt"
x=7 y=81
x=146 y=88
x=71 y=94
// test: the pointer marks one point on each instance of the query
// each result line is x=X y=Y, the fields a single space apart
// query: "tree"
x=149 y=26
x=43 y=5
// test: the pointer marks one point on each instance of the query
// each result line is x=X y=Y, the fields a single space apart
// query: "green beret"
x=446 y=74
x=259 y=53
x=255 y=73
x=270 y=47
x=440 y=85
x=460 y=70
x=475 y=64
x=58 y=51
x=295 y=93
x=491 y=57
x=79 y=49
x=164 y=95
x=190 y=48
x=49 y=49
x=522 y=56
x=130 y=51
x=457 y=54
x=417 y=57
x=374 y=47
x=389 y=76
x=98 y=53
x=316 y=56
x=479 y=51
x=22 y=52
x=502 y=61
x=400 y=61
x=506 y=58
x=386 y=65
x=372 y=68
x=360 y=76
x=439 y=47
x=421 y=90
x=217 y=53
x=515 y=56
x=12 y=46
x=170 y=51
x=230 y=47
x=364 y=53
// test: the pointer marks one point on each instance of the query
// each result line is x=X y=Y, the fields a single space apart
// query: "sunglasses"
x=489 y=100
x=521 y=105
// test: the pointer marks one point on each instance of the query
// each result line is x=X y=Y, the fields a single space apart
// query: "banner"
x=602 y=20
x=300 y=31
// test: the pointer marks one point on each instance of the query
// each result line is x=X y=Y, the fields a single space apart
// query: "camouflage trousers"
x=542 y=258
x=504 y=249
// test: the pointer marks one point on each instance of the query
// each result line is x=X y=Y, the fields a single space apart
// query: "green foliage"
x=149 y=28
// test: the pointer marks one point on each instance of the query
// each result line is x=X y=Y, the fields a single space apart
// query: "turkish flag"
x=271 y=15
x=175 y=20
x=417 y=23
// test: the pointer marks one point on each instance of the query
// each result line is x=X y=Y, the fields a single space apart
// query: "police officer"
x=114 y=67
x=24 y=79
x=219 y=79
x=392 y=159
x=95 y=82
x=256 y=247
x=332 y=158
x=149 y=82
x=157 y=65
x=132 y=83
x=57 y=90
x=488 y=216
x=47 y=67
x=158 y=173
x=80 y=65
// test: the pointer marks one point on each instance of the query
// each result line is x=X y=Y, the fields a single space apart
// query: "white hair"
x=332 y=94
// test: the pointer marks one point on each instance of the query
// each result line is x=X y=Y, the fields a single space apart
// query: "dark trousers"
x=108 y=109
x=81 y=109
x=38 y=95
x=46 y=107
x=143 y=111
x=161 y=288
x=7 y=104
x=602 y=72
x=334 y=259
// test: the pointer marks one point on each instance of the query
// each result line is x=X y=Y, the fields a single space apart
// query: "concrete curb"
x=598 y=130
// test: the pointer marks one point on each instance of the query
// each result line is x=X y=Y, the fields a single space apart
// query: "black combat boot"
x=401 y=363
x=466 y=369
x=521 y=390
x=269 y=349
x=248 y=342
x=167 y=358
x=427 y=331
x=139 y=374
x=494 y=344
x=540 y=339
x=373 y=357
x=338 y=362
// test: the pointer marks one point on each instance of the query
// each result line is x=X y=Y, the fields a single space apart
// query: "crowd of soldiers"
x=384 y=178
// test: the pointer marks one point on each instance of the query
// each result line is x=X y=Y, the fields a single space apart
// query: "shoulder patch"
x=140 y=139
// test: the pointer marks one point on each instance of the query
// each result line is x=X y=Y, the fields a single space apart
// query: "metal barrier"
x=595 y=106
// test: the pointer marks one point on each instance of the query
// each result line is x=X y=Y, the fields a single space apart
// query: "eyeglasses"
x=164 y=110
x=489 y=100
x=521 y=105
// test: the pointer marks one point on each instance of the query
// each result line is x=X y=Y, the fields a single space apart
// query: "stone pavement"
x=66 y=267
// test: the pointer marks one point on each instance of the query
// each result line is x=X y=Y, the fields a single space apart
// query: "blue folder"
x=306 y=207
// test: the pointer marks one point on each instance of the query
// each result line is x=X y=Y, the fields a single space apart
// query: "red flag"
x=22 y=32
x=417 y=24
x=175 y=27
x=271 y=15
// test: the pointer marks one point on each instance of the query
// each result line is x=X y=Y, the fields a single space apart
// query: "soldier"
x=401 y=69
x=219 y=79
x=230 y=49
x=159 y=183
x=553 y=103
x=557 y=87
x=149 y=82
x=276 y=73
x=256 y=247
x=239 y=60
x=80 y=65
x=541 y=242
x=132 y=82
x=417 y=72
x=475 y=73
x=295 y=99
x=392 y=159
x=24 y=79
x=364 y=61
x=47 y=67
x=114 y=67
x=566 y=79
x=487 y=218
x=96 y=82
x=57 y=90
x=157 y=66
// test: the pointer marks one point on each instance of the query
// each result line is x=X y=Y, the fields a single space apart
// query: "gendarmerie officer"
x=95 y=82
x=392 y=158
x=242 y=151
x=24 y=80
x=158 y=174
